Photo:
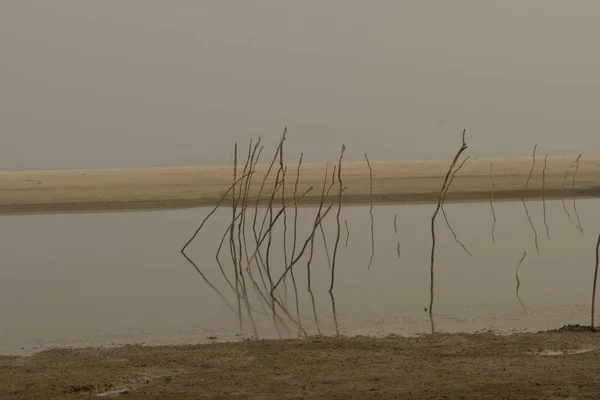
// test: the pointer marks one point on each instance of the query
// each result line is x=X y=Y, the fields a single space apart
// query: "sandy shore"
x=393 y=182
x=551 y=365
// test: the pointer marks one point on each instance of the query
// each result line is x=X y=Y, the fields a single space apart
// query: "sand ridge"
x=401 y=182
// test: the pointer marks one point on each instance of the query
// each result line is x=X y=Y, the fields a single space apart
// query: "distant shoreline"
x=404 y=182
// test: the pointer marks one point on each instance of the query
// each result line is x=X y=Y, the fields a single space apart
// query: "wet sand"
x=393 y=182
x=550 y=365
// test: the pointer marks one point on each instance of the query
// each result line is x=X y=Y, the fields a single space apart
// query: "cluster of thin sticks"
x=577 y=225
x=251 y=254
x=252 y=270
x=453 y=169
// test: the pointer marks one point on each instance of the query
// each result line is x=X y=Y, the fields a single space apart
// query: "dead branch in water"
x=271 y=225
x=257 y=200
x=318 y=220
x=396 y=230
x=283 y=170
x=535 y=235
x=255 y=157
x=296 y=234
x=234 y=203
x=544 y=196
x=595 y=282
x=519 y=282
x=195 y=234
x=269 y=234
x=371 y=211
x=339 y=211
x=324 y=196
x=576 y=162
x=347 y=231
x=579 y=227
x=563 y=194
x=435 y=213
x=210 y=214
x=333 y=176
x=492 y=202
x=240 y=232
x=461 y=244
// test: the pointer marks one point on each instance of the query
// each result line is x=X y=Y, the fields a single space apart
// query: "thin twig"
x=339 y=211
x=312 y=242
x=296 y=234
x=333 y=175
x=544 y=196
x=234 y=203
x=191 y=239
x=492 y=202
x=435 y=213
x=396 y=230
x=371 y=211
x=318 y=220
x=271 y=225
x=535 y=235
x=444 y=211
x=240 y=232
x=579 y=227
x=324 y=194
x=563 y=194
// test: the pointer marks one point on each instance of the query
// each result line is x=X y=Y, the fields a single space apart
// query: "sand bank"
x=393 y=182
x=555 y=365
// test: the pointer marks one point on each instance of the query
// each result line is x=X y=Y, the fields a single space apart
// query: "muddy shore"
x=549 y=365
x=406 y=182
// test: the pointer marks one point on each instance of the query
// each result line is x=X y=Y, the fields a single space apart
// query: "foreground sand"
x=393 y=182
x=482 y=366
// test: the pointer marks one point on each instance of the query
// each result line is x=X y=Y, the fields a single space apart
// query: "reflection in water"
x=347 y=232
x=519 y=281
x=261 y=257
x=334 y=313
x=573 y=194
x=99 y=279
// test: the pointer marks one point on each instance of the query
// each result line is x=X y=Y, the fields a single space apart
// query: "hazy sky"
x=124 y=83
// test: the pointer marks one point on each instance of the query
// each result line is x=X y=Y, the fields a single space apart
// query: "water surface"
x=101 y=279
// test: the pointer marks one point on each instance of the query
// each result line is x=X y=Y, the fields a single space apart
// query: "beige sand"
x=554 y=365
x=393 y=182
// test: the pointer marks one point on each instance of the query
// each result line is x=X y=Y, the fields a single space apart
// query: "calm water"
x=100 y=279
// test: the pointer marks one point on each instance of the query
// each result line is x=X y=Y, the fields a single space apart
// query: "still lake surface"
x=116 y=278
